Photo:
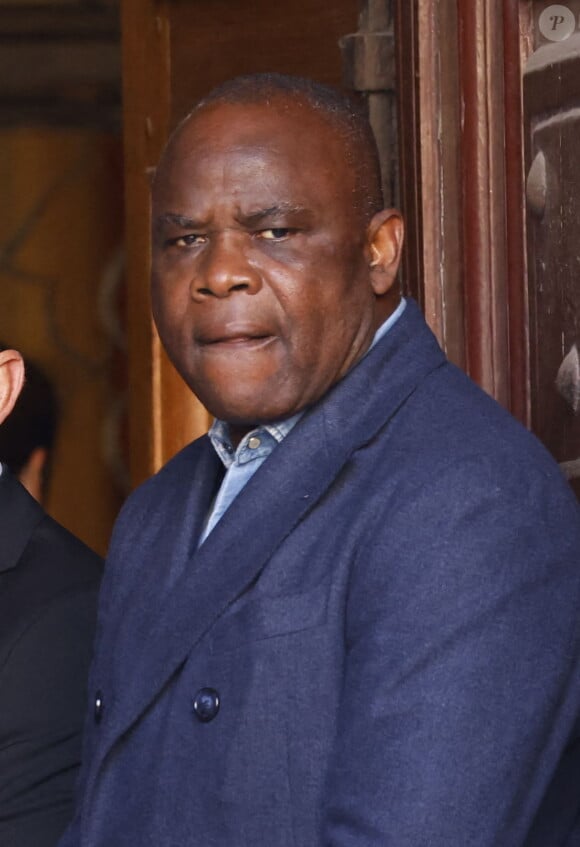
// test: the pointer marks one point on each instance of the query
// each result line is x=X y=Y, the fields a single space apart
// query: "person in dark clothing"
x=48 y=590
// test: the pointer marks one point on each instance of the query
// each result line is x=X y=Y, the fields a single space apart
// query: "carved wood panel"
x=552 y=97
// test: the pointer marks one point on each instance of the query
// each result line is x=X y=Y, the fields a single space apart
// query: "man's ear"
x=11 y=380
x=385 y=235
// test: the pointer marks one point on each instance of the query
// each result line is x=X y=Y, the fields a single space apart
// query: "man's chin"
x=240 y=395
x=245 y=412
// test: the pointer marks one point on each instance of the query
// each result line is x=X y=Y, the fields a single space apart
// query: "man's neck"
x=237 y=432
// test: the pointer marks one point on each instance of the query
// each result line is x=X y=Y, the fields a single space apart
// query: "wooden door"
x=490 y=120
x=459 y=92
x=552 y=103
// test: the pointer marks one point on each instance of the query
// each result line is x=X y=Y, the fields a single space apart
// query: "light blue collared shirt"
x=255 y=447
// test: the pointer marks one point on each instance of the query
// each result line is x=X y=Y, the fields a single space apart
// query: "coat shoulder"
x=182 y=465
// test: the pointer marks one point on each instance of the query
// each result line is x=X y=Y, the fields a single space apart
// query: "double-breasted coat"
x=377 y=645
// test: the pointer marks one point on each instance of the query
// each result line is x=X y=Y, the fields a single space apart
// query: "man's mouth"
x=236 y=338
x=241 y=342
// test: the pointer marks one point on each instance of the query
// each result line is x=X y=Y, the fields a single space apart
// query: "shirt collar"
x=386 y=325
x=254 y=444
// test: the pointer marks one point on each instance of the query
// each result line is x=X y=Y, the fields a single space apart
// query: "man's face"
x=260 y=288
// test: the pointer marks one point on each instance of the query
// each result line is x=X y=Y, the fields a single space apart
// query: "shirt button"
x=99 y=707
x=254 y=442
x=206 y=704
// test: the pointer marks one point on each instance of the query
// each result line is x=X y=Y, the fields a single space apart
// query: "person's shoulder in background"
x=48 y=603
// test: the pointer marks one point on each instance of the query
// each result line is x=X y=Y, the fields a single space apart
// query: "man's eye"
x=275 y=233
x=187 y=240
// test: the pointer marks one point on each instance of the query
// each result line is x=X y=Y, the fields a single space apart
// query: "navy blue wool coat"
x=384 y=628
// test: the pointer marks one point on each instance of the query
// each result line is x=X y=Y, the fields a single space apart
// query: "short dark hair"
x=33 y=420
x=346 y=111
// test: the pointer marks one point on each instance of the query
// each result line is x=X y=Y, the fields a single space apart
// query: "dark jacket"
x=377 y=646
x=48 y=590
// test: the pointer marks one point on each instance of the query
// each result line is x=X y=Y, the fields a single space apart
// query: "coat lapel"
x=162 y=628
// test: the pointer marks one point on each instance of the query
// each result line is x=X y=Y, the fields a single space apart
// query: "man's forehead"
x=261 y=124
x=234 y=143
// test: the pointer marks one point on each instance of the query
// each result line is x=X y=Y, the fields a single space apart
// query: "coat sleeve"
x=43 y=685
x=461 y=681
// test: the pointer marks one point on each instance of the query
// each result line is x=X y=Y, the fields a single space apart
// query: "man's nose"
x=225 y=268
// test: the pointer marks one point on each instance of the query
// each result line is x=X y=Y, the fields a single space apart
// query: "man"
x=367 y=631
x=48 y=588
x=27 y=436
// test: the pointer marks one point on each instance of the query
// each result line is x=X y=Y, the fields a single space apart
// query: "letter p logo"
x=557 y=22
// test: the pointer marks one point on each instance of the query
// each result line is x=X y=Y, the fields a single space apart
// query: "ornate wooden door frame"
x=459 y=66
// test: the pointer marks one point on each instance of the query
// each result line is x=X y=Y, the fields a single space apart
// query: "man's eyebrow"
x=246 y=218
x=258 y=216
x=177 y=220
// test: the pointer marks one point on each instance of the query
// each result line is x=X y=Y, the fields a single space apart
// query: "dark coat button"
x=206 y=704
x=99 y=706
